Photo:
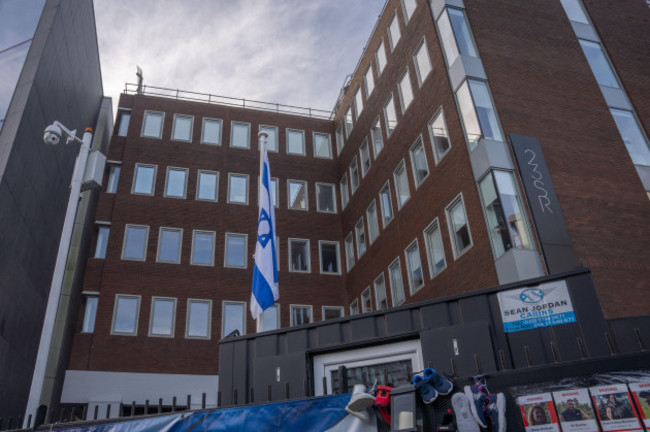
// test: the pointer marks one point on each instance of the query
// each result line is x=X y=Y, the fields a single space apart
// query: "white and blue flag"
x=265 y=270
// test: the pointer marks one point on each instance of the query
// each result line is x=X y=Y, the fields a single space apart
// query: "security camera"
x=52 y=135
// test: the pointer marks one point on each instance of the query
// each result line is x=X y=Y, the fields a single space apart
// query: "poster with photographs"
x=538 y=413
x=641 y=394
x=614 y=408
x=575 y=411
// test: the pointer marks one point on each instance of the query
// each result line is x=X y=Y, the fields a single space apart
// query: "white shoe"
x=360 y=402
x=465 y=421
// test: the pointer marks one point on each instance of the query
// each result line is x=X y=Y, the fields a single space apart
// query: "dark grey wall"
x=61 y=80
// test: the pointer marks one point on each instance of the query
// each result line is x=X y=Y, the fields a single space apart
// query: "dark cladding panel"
x=363 y=328
x=267 y=345
x=329 y=334
x=527 y=348
x=631 y=334
x=297 y=341
x=589 y=315
x=399 y=322
x=277 y=372
x=435 y=315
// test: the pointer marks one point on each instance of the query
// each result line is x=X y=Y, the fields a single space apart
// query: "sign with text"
x=641 y=394
x=575 y=411
x=538 y=413
x=614 y=408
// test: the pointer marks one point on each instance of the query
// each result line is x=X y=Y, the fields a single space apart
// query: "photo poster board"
x=614 y=408
x=538 y=413
x=641 y=395
x=575 y=410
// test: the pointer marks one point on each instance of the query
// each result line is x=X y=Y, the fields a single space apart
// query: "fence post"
x=189 y=403
x=96 y=412
x=108 y=411
x=203 y=401
x=159 y=405
x=343 y=379
x=174 y=404
x=132 y=408
x=146 y=407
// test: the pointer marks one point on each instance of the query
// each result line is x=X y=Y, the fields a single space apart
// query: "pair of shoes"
x=360 y=402
x=485 y=405
x=430 y=384
x=465 y=421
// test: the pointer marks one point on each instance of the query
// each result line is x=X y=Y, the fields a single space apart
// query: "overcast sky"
x=294 y=52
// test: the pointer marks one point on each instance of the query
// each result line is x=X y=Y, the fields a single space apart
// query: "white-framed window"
x=386 y=200
x=199 y=319
x=236 y=250
x=633 y=136
x=326 y=197
x=152 y=124
x=419 y=162
x=203 y=248
x=377 y=138
x=237 y=188
x=271 y=137
x=401 y=184
x=394 y=32
x=322 y=145
x=477 y=112
x=270 y=319
x=345 y=192
x=90 y=313
x=405 y=90
x=380 y=292
x=330 y=262
x=360 y=234
x=233 y=318
x=240 y=135
x=409 y=6
x=101 y=242
x=207 y=187
x=422 y=62
x=439 y=135
x=414 y=267
x=461 y=237
x=358 y=103
x=369 y=80
x=125 y=315
x=176 y=182
x=348 y=122
x=364 y=154
x=574 y=11
x=373 y=223
x=599 y=63
x=340 y=141
x=354 y=175
x=211 y=132
x=144 y=179
x=182 y=127
x=354 y=307
x=435 y=248
x=163 y=317
x=169 y=245
x=366 y=300
x=113 y=177
x=333 y=312
x=349 y=252
x=455 y=35
x=135 y=242
x=301 y=314
x=299 y=261
x=124 y=118
x=296 y=142
x=275 y=191
x=396 y=282
x=297 y=193
x=380 y=58
x=390 y=115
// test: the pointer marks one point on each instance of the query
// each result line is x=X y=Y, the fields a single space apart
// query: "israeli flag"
x=265 y=270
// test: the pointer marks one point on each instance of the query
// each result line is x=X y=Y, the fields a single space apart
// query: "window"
x=275 y=184
x=208 y=185
x=270 y=319
x=144 y=179
x=632 y=135
x=163 y=317
x=339 y=139
x=477 y=112
x=322 y=145
x=90 y=313
x=354 y=175
x=349 y=252
x=461 y=238
x=380 y=293
x=211 y=133
x=401 y=185
x=236 y=250
x=299 y=256
x=414 y=267
x=364 y=153
x=152 y=124
x=271 y=138
x=113 y=178
x=377 y=138
x=238 y=188
x=393 y=32
x=390 y=115
x=386 y=204
x=348 y=122
x=409 y=7
x=234 y=318
x=358 y=103
x=176 y=182
x=203 y=248
x=354 y=307
x=419 y=162
x=506 y=221
x=439 y=135
x=366 y=301
x=574 y=11
x=599 y=63
x=369 y=80
x=435 y=249
x=125 y=315
x=360 y=234
x=332 y=312
x=182 y=127
x=240 y=135
x=102 y=241
x=329 y=257
x=300 y=314
x=169 y=245
x=422 y=62
x=135 y=242
x=455 y=35
x=345 y=193
x=405 y=90
x=373 y=224
x=396 y=284
x=295 y=142
x=380 y=57
x=325 y=198
x=199 y=313
x=123 y=123
x=297 y=194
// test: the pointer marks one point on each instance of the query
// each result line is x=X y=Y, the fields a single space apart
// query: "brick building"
x=476 y=144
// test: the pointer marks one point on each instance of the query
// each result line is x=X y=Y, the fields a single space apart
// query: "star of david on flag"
x=265 y=270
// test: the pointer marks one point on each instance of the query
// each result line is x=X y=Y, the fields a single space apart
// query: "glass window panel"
x=468 y=115
x=439 y=136
x=332 y=312
x=90 y=313
x=396 y=284
x=390 y=115
x=373 y=224
x=238 y=189
x=299 y=255
x=419 y=162
x=124 y=119
x=274 y=191
x=349 y=251
x=405 y=90
x=162 y=317
x=271 y=318
x=169 y=245
x=599 y=63
x=322 y=145
x=125 y=319
x=435 y=249
x=377 y=138
x=366 y=301
x=380 y=56
x=234 y=315
x=409 y=8
x=358 y=102
x=339 y=139
x=633 y=136
x=295 y=142
x=515 y=218
x=300 y=315
x=354 y=307
x=240 y=136
x=211 y=131
x=361 y=237
x=182 y=130
x=297 y=194
x=207 y=187
x=461 y=238
x=272 y=137
x=386 y=205
x=348 y=122
x=176 y=179
x=153 y=122
x=326 y=198
x=203 y=248
x=144 y=179
x=574 y=11
x=345 y=194
x=394 y=32
x=402 y=185
x=422 y=62
x=113 y=177
x=380 y=293
x=235 y=250
x=198 y=319
x=414 y=265
x=135 y=242
x=461 y=32
x=370 y=82
x=485 y=110
x=329 y=257
x=354 y=174
x=364 y=153
x=447 y=37
x=102 y=241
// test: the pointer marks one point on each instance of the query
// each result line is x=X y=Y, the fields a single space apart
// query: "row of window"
x=240 y=133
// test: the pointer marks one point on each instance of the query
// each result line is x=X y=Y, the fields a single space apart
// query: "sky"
x=292 y=52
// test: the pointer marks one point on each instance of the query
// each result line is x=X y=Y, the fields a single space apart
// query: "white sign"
x=544 y=305
x=641 y=395
x=538 y=413
x=574 y=410
x=614 y=408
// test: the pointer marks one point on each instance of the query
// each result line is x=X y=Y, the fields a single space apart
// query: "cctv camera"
x=52 y=135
